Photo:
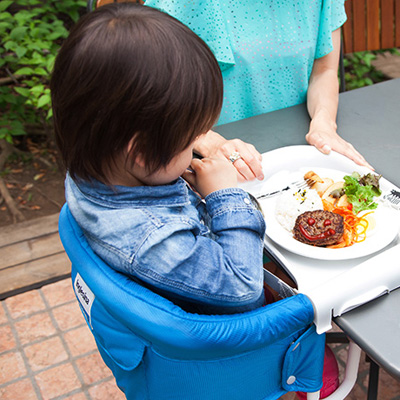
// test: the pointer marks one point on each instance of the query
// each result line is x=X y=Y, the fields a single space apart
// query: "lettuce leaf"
x=361 y=190
x=371 y=180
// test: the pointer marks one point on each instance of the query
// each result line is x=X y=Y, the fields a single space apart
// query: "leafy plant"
x=359 y=70
x=31 y=32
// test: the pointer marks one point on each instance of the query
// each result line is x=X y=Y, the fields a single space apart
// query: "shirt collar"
x=176 y=193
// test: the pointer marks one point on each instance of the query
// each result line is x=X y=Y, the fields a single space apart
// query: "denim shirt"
x=205 y=256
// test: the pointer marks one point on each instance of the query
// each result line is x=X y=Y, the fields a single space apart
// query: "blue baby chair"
x=158 y=351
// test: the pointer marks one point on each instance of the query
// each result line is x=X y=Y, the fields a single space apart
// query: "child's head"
x=131 y=77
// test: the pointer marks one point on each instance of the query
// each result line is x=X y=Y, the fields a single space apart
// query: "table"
x=369 y=118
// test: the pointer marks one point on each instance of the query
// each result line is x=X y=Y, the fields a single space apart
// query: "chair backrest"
x=158 y=351
x=371 y=25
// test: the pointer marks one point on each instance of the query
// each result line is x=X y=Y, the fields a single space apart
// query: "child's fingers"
x=202 y=166
x=196 y=162
x=190 y=177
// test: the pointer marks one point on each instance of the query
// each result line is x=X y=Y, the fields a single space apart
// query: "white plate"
x=387 y=221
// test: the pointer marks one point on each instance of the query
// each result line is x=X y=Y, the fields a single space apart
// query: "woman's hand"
x=248 y=166
x=210 y=174
x=322 y=104
x=324 y=137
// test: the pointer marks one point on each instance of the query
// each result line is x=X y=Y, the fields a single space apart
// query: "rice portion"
x=293 y=203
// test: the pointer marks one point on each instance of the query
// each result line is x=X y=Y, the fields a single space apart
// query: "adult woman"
x=273 y=54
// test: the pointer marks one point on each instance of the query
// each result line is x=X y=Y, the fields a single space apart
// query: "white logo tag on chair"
x=84 y=295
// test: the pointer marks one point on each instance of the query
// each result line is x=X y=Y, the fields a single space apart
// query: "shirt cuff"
x=232 y=208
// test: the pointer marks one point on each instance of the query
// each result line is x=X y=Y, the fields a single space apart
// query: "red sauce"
x=327 y=222
x=311 y=221
x=322 y=235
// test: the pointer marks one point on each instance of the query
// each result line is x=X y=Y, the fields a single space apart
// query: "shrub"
x=31 y=32
x=360 y=72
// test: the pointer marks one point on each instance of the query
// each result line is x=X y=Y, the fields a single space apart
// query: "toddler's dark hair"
x=126 y=72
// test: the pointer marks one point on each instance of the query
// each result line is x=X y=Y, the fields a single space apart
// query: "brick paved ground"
x=48 y=353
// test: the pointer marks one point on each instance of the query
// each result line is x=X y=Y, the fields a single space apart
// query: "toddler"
x=132 y=89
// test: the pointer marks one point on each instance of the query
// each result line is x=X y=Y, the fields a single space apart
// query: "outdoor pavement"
x=388 y=63
x=48 y=353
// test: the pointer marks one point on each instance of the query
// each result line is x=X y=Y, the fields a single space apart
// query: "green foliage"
x=360 y=72
x=31 y=32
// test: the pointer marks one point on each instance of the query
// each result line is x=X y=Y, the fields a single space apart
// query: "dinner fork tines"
x=298 y=185
x=393 y=197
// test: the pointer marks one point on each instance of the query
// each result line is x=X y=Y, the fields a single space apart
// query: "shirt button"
x=291 y=380
x=247 y=201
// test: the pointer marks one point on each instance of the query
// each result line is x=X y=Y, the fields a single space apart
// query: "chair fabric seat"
x=158 y=351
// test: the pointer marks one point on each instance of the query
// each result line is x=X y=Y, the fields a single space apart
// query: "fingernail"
x=326 y=149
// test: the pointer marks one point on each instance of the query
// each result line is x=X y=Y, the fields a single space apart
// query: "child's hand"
x=211 y=174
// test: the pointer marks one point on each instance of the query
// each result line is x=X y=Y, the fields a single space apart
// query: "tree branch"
x=17 y=215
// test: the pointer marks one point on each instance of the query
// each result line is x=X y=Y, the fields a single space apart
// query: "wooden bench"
x=31 y=255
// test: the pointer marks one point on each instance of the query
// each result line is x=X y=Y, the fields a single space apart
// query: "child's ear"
x=139 y=161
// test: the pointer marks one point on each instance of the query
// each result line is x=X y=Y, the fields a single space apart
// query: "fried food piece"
x=321 y=187
x=312 y=176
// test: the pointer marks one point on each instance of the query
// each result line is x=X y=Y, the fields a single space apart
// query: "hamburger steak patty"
x=318 y=228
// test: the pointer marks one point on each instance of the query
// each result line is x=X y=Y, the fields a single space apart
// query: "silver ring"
x=234 y=157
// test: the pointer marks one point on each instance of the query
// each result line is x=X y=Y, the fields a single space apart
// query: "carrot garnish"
x=355 y=228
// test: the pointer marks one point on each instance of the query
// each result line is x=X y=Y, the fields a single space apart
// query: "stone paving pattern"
x=48 y=353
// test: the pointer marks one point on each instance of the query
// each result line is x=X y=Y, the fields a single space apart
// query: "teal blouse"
x=265 y=48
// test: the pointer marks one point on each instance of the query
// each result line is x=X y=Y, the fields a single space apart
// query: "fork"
x=299 y=185
x=393 y=197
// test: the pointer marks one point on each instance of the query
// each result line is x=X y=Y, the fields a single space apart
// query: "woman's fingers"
x=325 y=143
x=249 y=164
